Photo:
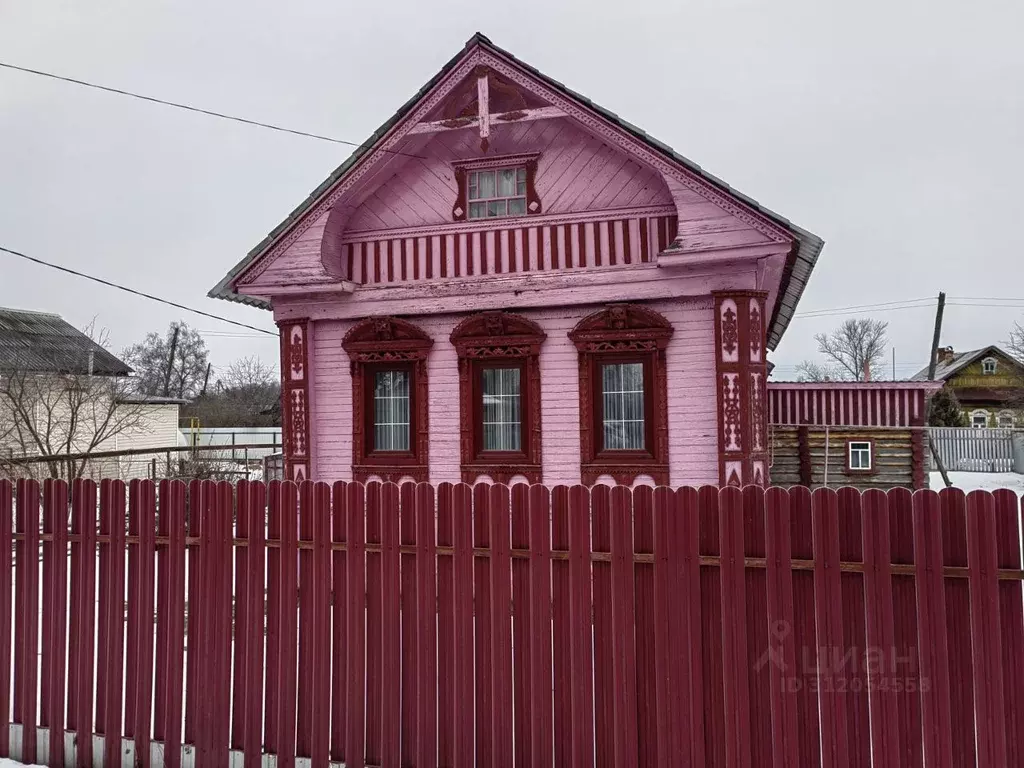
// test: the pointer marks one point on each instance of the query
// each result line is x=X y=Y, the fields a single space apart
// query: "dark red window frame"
x=387 y=343
x=499 y=340
x=534 y=206
x=623 y=333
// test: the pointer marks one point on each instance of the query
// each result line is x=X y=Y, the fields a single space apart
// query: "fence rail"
x=457 y=625
x=964 y=449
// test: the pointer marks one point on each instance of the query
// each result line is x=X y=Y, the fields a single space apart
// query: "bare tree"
x=151 y=356
x=811 y=371
x=1016 y=343
x=246 y=373
x=854 y=346
x=60 y=415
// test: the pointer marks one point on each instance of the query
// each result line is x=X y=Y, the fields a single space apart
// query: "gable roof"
x=961 y=360
x=798 y=267
x=37 y=342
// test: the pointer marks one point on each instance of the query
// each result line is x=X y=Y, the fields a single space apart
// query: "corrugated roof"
x=946 y=368
x=37 y=342
x=795 y=276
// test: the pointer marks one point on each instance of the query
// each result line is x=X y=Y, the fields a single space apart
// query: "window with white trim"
x=860 y=458
x=496 y=192
x=979 y=419
x=1005 y=420
x=988 y=366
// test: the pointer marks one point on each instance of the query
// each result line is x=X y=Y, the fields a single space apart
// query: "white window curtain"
x=623 y=392
x=502 y=419
x=391 y=411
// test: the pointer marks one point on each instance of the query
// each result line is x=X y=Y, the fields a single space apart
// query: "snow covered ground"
x=6 y=763
x=973 y=481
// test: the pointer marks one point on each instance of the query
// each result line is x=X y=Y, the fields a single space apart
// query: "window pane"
x=391 y=411
x=496 y=208
x=623 y=399
x=506 y=182
x=486 y=181
x=517 y=206
x=474 y=192
x=477 y=210
x=501 y=409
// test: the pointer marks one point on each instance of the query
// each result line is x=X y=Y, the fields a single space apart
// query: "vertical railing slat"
x=581 y=636
x=255 y=572
x=734 y=630
x=339 y=620
x=272 y=694
x=990 y=714
x=142 y=521
x=624 y=642
x=482 y=621
x=320 y=740
x=931 y=617
x=242 y=697
x=307 y=624
x=465 y=713
x=880 y=628
x=374 y=618
x=780 y=659
x=540 y=682
x=6 y=573
x=26 y=607
x=55 y=523
x=409 y=590
x=355 y=624
x=501 y=626
x=561 y=655
x=647 y=671
x=112 y=524
x=170 y=648
x=391 y=628
x=426 y=641
x=287 y=685
x=522 y=626
x=604 y=667
x=445 y=628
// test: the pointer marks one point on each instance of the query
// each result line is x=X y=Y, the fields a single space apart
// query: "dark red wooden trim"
x=295 y=398
x=502 y=339
x=741 y=386
x=623 y=332
x=374 y=344
x=804 y=453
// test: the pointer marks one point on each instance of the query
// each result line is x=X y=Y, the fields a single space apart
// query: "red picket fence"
x=527 y=626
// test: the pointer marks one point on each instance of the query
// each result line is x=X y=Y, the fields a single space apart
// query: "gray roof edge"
x=809 y=244
x=966 y=358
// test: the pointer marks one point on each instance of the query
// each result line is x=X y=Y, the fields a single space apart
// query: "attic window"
x=988 y=366
x=496 y=192
x=495 y=188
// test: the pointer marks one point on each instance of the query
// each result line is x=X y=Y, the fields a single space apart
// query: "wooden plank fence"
x=965 y=449
x=251 y=625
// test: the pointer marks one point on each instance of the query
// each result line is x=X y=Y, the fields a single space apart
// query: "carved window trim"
x=505 y=339
x=387 y=342
x=620 y=333
x=460 y=210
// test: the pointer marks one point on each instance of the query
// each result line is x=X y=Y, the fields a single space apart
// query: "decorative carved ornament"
x=371 y=343
x=742 y=387
x=499 y=336
x=634 y=330
x=295 y=415
x=595 y=123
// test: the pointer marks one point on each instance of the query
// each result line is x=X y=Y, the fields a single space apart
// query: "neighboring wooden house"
x=509 y=282
x=988 y=382
x=860 y=434
x=62 y=393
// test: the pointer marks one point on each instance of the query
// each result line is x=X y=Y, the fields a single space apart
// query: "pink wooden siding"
x=692 y=408
x=575 y=172
x=629 y=240
x=860 y=405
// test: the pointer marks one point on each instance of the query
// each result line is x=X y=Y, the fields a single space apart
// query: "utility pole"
x=931 y=377
x=935 y=337
x=206 y=379
x=170 y=361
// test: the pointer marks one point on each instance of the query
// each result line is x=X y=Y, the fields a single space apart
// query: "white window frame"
x=1006 y=415
x=861 y=447
x=520 y=182
x=989 y=366
x=980 y=413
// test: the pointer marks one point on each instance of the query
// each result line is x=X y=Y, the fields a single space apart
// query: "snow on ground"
x=6 y=763
x=973 y=481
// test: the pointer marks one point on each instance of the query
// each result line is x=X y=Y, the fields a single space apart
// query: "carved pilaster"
x=742 y=376
x=295 y=398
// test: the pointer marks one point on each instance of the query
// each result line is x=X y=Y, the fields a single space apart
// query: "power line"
x=199 y=110
x=126 y=289
x=829 y=313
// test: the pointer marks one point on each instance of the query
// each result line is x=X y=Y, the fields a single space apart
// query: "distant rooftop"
x=39 y=342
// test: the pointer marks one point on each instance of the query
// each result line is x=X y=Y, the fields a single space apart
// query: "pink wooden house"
x=510 y=282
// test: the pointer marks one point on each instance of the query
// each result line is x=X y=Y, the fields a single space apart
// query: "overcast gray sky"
x=894 y=130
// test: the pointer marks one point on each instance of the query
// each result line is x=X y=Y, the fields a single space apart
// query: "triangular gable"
x=398 y=139
x=944 y=372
